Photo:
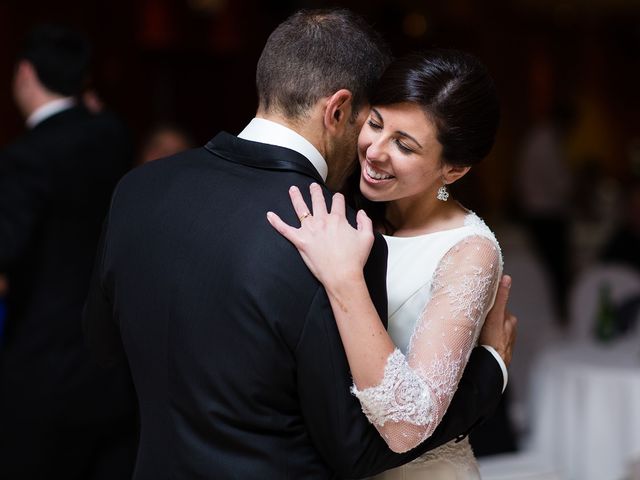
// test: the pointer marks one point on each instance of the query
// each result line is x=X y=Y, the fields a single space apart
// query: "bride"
x=433 y=116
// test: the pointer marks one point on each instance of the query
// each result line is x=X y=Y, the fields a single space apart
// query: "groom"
x=234 y=352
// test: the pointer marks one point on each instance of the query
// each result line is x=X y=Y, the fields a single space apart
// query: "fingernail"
x=506 y=281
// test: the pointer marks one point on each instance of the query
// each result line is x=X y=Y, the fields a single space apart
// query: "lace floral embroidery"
x=403 y=396
x=470 y=294
x=415 y=391
x=442 y=374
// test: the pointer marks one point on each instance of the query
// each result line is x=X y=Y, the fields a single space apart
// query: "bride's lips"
x=373 y=175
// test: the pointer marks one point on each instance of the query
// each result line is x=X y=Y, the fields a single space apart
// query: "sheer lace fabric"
x=416 y=389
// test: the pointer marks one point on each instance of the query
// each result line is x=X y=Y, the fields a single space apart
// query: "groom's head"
x=317 y=72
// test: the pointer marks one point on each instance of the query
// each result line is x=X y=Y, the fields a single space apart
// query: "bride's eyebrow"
x=377 y=114
x=406 y=135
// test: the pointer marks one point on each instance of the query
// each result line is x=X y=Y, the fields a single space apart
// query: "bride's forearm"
x=366 y=342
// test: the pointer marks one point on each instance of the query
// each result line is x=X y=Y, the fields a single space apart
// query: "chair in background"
x=623 y=283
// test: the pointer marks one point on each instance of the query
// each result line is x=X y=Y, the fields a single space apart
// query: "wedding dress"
x=440 y=287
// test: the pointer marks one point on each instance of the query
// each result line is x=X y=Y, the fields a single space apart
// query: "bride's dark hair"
x=456 y=92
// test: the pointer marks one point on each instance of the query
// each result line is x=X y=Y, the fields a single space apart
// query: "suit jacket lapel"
x=260 y=155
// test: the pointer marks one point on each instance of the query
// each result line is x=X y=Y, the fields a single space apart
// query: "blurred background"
x=561 y=187
x=191 y=62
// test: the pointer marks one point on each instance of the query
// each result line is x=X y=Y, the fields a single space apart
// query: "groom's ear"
x=338 y=110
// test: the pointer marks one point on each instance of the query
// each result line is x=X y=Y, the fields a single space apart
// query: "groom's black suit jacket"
x=235 y=355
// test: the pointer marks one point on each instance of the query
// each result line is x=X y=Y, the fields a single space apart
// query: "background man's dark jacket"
x=55 y=401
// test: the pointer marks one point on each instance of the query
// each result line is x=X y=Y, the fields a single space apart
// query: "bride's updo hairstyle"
x=455 y=91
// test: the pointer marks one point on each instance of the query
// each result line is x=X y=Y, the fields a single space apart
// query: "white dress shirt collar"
x=272 y=133
x=48 y=110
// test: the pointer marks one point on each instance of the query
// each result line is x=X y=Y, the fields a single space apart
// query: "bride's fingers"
x=299 y=205
x=337 y=205
x=284 y=229
x=364 y=222
x=317 y=200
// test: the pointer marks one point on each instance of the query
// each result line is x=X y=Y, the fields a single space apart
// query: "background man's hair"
x=60 y=56
x=315 y=53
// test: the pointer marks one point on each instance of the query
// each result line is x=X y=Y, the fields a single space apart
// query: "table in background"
x=586 y=408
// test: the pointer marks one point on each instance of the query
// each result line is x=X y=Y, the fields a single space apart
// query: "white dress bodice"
x=440 y=287
x=411 y=267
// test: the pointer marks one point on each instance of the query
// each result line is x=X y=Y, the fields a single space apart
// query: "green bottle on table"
x=605 y=324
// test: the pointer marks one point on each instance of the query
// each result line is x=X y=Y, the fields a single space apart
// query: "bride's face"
x=399 y=154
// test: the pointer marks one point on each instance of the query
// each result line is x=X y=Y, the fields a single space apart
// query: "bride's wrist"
x=343 y=280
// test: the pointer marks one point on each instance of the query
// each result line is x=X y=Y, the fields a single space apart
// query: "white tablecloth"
x=586 y=409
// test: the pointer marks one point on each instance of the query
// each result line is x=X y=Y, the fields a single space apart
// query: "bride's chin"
x=369 y=193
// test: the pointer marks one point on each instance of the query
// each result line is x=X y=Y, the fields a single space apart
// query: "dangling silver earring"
x=443 y=193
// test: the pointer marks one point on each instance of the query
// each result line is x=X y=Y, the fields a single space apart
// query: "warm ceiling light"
x=207 y=6
x=415 y=25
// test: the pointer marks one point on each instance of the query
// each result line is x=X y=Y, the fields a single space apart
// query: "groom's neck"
x=310 y=126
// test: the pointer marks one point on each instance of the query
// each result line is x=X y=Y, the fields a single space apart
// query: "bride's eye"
x=374 y=125
x=403 y=148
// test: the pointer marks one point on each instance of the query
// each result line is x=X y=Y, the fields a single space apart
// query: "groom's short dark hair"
x=315 y=53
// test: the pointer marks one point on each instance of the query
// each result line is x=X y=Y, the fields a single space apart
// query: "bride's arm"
x=405 y=398
x=336 y=253
x=415 y=392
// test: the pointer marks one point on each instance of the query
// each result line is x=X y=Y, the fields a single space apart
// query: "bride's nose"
x=376 y=152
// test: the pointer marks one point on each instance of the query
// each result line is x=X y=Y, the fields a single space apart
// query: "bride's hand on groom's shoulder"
x=334 y=251
x=499 y=330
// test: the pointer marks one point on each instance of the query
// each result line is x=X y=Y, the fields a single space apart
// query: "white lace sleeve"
x=416 y=390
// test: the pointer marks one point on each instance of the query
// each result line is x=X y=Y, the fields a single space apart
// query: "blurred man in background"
x=60 y=415
x=164 y=140
x=544 y=186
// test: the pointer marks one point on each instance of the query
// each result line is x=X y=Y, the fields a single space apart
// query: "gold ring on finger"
x=304 y=215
